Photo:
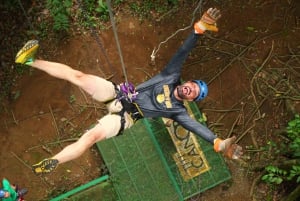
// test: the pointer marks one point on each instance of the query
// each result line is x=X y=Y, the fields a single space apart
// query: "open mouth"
x=183 y=91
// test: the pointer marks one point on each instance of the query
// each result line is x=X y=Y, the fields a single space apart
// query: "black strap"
x=123 y=121
x=128 y=107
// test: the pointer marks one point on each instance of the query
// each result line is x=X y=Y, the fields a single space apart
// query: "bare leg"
x=76 y=149
x=108 y=126
x=101 y=89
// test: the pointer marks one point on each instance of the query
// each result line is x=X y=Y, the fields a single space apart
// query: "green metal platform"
x=141 y=166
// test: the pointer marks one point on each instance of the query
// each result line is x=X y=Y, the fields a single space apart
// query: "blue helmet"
x=203 y=90
x=2 y=193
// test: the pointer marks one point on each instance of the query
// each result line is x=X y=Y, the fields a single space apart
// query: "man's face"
x=187 y=91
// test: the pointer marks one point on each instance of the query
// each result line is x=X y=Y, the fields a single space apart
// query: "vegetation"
x=289 y=153
x=60 y=12
x=143 y=9
x=97 y=12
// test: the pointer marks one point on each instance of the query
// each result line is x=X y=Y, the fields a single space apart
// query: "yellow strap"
x=138 y=108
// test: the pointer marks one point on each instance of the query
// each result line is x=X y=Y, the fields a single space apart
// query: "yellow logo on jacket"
x=165 y=97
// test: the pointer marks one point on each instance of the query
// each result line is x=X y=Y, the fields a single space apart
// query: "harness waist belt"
x=128 y=106
x=132 y=109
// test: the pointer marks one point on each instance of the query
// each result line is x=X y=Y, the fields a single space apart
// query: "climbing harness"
x=155 y=50
x=126 y=94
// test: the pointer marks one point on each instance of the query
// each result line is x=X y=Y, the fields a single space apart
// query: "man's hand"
x=208 y=21
x=234 y=151
x=229 y=148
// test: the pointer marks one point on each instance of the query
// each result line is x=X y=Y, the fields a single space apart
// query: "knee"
x=75 y=77
x=91 y=139
x=79 y=77
x=94 y=135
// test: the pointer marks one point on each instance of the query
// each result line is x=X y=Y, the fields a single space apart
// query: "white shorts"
x=104 y=91
x=112 y=124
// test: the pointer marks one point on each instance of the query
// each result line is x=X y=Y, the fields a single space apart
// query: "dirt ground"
x=257 y=47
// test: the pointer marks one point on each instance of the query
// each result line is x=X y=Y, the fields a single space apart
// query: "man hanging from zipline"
x=161 y=96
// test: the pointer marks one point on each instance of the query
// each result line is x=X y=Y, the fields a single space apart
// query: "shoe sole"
x=45 y=166
x=27 y=51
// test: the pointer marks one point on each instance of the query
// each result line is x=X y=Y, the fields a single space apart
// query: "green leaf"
x=250 y=28
x=278 y=180
x=265 y=177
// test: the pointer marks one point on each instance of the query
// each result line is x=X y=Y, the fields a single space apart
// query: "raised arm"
x=206 y=23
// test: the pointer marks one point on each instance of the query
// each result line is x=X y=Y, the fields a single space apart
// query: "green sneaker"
x=27 y=53
x=45 y=166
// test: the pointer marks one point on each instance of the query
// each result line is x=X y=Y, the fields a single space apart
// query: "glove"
x=228 y=147
x=208 y=21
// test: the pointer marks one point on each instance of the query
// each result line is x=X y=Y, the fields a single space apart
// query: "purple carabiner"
x=128 y=90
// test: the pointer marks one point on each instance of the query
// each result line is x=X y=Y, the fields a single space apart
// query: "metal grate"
x=141 y=166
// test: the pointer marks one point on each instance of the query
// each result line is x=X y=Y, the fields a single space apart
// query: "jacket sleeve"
x=194 y=126
x=176 y=62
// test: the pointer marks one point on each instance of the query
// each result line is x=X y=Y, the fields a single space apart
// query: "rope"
x=95 y=35
x=116 y=38
x=154 y=52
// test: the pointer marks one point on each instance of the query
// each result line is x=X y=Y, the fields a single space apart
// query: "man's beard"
x=180 y=92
